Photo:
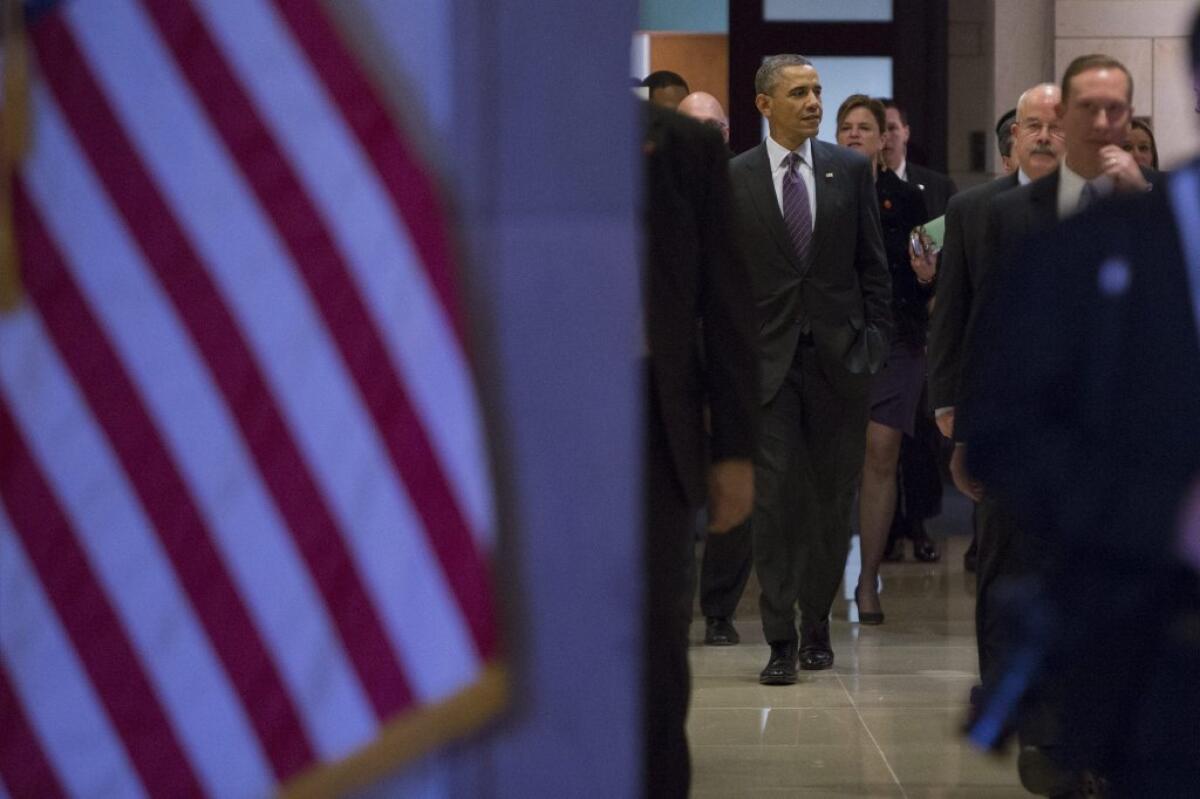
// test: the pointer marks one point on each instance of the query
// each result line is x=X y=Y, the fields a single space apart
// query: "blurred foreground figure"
x=1084 y=419
x=697 y=300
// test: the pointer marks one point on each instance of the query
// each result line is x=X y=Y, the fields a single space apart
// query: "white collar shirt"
x=1070 y=188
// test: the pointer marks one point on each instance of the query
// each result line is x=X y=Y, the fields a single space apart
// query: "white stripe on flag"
x=343 y=183
x=128 y=559
x=263 y=291
x=196 y=426
x=55 y=693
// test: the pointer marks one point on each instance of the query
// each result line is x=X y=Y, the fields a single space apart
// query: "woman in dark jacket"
x=896 y=390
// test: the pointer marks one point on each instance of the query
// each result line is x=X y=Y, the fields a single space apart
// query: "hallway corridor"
x=884 y=722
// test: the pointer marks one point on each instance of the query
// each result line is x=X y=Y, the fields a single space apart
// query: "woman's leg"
x=877 y=501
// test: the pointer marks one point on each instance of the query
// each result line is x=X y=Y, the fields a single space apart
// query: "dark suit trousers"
x=810 y=454
x=1007 y=557
x=667 y=613
x=724 y=571
x=1002 y=557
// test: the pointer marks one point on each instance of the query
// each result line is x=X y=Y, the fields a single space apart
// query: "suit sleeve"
x=727 y=312
x=984 y=322
x=1027 y=386
x=948 y=324
x=870 y=260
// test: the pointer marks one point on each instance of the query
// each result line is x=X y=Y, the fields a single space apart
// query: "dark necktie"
x=1088 y=196
x=797 y=213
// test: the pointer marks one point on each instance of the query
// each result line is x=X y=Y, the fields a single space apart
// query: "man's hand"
x=1124 y=171
x=945 y=422
x=730 y=494
x=963 y=481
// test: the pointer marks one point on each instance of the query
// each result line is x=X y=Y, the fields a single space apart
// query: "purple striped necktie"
x=797 y=213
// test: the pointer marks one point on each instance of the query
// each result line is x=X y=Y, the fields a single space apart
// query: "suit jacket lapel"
x=830 y=183
x=762 y=190
x=1043 y=208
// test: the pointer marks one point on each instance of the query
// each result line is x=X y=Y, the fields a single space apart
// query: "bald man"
x=727 y=558
x=706 y=108
x=1037 y=145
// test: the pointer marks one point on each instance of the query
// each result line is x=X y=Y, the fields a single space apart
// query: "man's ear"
x=763 y=103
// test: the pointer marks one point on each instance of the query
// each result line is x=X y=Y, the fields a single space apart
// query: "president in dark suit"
x=809 y=226
x=700 y=347
x=1096 y=105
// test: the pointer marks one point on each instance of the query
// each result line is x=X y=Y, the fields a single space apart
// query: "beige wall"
x=999 y=48
x=1150 y=38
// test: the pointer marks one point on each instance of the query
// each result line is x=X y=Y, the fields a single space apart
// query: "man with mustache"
x=809 y=224
x=1036 y=148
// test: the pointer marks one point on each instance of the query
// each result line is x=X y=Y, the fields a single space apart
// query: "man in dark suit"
x=1037 y=146
x=936 y=187
x=1082 y=417
x=1096 y=104
x=809 y=225
x=726 y=564
x=700 y=343
x=1086 y=424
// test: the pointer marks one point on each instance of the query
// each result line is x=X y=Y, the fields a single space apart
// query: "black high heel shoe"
x=865 y=617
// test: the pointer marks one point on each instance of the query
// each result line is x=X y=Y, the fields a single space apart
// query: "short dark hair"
x=664 y=78
x=1004 y=136
x=863 y=101
x=1086 y=63
x=1143 y=124
x=772 y=65
x=888 y=102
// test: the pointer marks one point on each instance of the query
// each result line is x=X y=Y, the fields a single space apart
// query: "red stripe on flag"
x=333 y=290
x=219 y=339
x=203 y=575
x=24 y=769
x=92 y=625
x=408 y=183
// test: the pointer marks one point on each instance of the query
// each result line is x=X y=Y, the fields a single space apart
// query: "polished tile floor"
x=884 y=722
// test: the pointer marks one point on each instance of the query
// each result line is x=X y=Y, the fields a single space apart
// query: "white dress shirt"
x=777 y=155
x=1070 y=189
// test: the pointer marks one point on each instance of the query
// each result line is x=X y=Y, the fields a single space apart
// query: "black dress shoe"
x=781 y=668
x=816 y=653
x=719 y=631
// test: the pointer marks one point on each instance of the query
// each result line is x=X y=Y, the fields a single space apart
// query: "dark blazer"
x=699 y=312
x=1086 y=379
x=1085 y=423
x=842 y=291
x=960 y=274
x=1013 y=217
x=936 y=187
x=902 y=208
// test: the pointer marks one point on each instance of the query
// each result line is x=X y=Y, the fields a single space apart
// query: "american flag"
x=245 y=512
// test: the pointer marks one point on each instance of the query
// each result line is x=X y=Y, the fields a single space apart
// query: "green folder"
x=935 y=230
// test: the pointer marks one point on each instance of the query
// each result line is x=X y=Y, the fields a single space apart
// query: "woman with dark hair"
x=896 y=390
x=1139 y=140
